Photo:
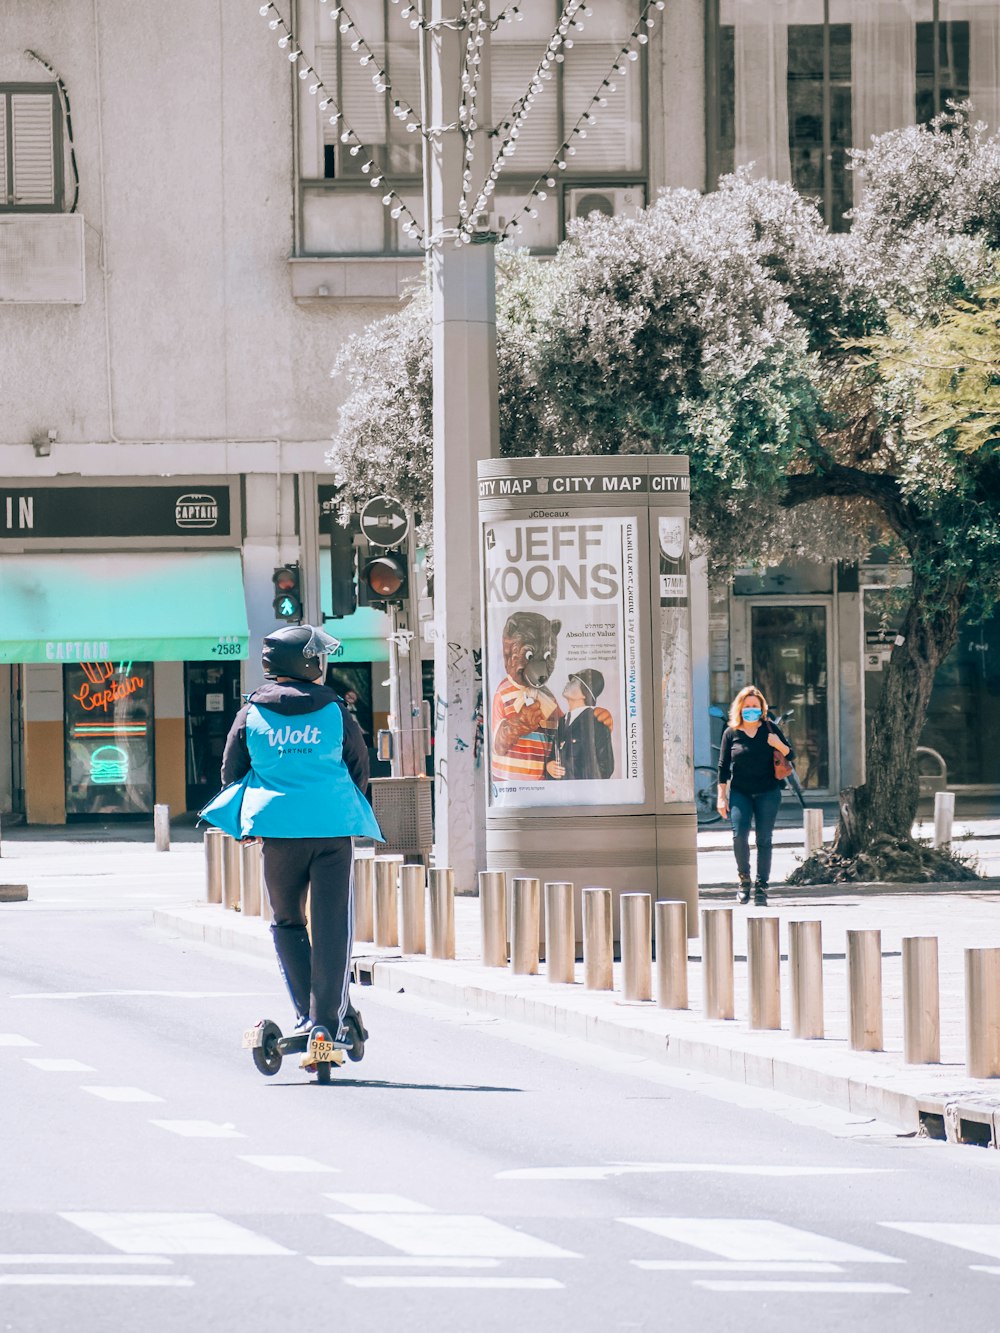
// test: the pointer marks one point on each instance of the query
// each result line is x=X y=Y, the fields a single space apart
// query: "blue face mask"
x=752 y=714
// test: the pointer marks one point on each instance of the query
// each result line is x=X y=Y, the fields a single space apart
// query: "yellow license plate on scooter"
x=323 y=1052
x=252 y=1038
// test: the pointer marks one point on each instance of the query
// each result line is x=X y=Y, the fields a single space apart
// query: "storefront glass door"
x=790 y=657
x=109 y=738
x=212 y=700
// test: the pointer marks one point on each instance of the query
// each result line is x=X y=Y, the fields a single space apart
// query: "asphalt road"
x=468 y=1175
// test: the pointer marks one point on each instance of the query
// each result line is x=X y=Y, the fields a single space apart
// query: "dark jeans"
x=761 y=811
x=291 y=866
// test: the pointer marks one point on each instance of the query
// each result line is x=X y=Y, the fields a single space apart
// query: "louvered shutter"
x=363 y=106
x=326 y=68
x=512 y=67
x=33 y=150
x=4 y=186
x=613 y=144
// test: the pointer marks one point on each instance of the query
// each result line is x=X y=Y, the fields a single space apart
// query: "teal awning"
x=145 y=606
x=363 y=635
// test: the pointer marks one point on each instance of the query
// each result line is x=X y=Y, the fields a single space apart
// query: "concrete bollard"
x=944 y=817
x=560 y=933
x=598 y=943
x=764 y=972
x=161 y=827
x=805 y=963
x=671 y=954
x=386 y=912
x=812 y=824
x=864 y=989
x=364 y=889
x=524 y=927
x=252 y=878
x=230 y=872
x=717 y=962
x=493 y=917
x=921 y=1001
x=412 y=909
x=213 y=865
x=982 y=1012
x=442 y=891
x=637 y=946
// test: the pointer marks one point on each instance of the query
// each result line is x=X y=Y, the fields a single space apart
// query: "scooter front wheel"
x=266 y=1056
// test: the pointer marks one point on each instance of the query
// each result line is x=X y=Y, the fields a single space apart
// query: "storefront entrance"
x=790 y=654
x=109 y=735
x=212 y=699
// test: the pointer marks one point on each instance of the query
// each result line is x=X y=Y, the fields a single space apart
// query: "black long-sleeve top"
x=748 y=761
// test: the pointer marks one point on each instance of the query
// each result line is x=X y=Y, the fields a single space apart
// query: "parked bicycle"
x=706 y=780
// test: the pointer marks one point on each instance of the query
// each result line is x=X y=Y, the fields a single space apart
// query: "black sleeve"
x=605 y=750
x=236 y=756
x=355 y=750
x=726 y=756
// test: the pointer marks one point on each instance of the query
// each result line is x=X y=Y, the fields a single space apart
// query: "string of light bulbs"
x=401 y=109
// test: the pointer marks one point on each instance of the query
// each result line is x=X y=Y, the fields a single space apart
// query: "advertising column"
x=587 y=699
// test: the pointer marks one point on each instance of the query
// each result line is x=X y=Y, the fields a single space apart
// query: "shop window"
x=109 y=738
x=31 y=139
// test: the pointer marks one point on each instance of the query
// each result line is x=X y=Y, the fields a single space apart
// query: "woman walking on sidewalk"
x=749 y=792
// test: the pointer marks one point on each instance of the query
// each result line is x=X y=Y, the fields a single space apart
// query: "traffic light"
x=385 y=578
x=287 y=593
x=342 y=592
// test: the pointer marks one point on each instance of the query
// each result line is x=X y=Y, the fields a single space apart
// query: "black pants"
x=761 y=810
x=317 y=977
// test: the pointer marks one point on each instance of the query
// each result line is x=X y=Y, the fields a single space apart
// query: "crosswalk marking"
x=151 y=994
x=460 y=1283
x=199 y=1129
x=610 y=1169
x=755 y=1238
x=174 y=1233
x=15 y=1039
x=396 y=1261
x=451 y=1234
x=379 y=1203
x=116 y=1259
x=984 y=1268
x=57 y=1066
x=92 y=1280
x=804 y=1288
x=122 y=1094
x=287 y=1163
x=732 y=1266
x=979 y=1237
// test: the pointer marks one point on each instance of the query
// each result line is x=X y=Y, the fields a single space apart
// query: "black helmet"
x=298 y=651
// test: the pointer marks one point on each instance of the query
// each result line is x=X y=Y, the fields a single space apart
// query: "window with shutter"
x=513 y=65
x=614 y=143
x=31 y=169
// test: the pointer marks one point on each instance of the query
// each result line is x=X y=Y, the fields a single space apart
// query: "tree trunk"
x=886 y=803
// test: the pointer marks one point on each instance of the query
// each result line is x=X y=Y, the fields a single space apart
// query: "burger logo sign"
x=196 y=510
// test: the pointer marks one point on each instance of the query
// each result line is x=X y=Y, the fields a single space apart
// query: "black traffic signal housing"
x=342 y=570
x=385 y=578
x=287 y=593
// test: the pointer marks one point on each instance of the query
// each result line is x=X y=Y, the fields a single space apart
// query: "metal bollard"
x=921 y=1001
x=412 y=909
x=864 y=988
x=364 y=885
x=213 y=865
x=671 y=954
x=717 y=962
x=598 y=942
x=230 y=872
x=982 y=1012
x=812 y=825
x=386 y=899
x=524 y=927
x=161 y=827
x=944 y=817
x=493 y=917
x=250 y=893
x=764 y=972
x=637 y=946
x=560 y=933
x=805 y=962
x=442 y=888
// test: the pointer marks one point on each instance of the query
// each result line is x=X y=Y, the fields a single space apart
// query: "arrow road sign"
x=384 y=521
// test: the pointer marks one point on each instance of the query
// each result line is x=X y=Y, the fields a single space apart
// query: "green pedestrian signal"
x=287 y=602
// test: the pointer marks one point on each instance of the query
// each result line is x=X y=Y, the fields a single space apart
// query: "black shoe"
x=760 y=895
x=355 y=1032
x=743 y=893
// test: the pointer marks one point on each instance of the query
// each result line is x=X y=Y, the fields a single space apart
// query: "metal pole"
x=364 y=883
x=671 y=954
x=386 y=898
x=637 y=946
x=944 y=817
x=764 y=972
x=812 y=823
x=493 y=917
x=560 y=933
x=864 y=986
x=805 y=962
x=161 y=827
x=717 y=962
x=442 y=888
x=412 y=915
x=598 y=943
x=524 y=927
x=230 y=872
x=213 y=865
x=250 y=894
x=982 y=1012
x=921 y=1001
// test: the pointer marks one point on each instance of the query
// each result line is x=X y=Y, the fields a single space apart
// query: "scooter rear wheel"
x=266 y=1056
x=322 y=1072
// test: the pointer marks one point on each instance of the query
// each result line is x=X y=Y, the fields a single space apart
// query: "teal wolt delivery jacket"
x=297 y=765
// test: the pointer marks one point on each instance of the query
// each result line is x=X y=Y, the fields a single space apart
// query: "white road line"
x=116 y=1259
x=287 y=1163
x=451 y=1235
x=15 y=1039
x=984 y=1268
x=610 y=1169
x=174 y=1233
x=121 y=1094
x=731 y=1266
x=58 y=1066
x=154 y=994
x=396 y=1261
x=379 y=1203
x=92 y=1280
x=803 y=1288
x=460 y=1283
x=199 y=1129
x=979 y=1237
x=756 y=1238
